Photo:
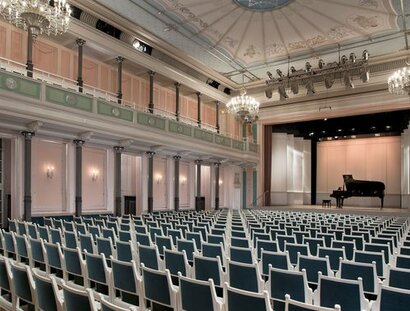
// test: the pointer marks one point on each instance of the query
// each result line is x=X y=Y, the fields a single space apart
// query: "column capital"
x=199 y=161
x=78 y=142
x=28 y=134
x=198 y=94
x=119 y=59
x=118 y=149
x=80 y=42
x=151 y=73
x=150 y=154
x=177 y=157
x=217 y=164
x=177 y=84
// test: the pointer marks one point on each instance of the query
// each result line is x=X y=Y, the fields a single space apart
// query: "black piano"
x=358 y=188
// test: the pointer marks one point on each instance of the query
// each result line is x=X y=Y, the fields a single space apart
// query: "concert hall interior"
x=169 y=126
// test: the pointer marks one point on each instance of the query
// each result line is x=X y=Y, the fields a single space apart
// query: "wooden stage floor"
x=359 y=210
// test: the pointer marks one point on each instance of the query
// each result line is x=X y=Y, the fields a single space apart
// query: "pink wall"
x=366 y=159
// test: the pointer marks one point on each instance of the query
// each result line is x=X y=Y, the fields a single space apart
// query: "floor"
x=345 y=210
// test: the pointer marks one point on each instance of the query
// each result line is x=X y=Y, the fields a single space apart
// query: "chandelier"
x=50 y=17
x=399 y=82
x=244 y=107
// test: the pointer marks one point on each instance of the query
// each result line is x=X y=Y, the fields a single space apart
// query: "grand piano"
x=358 y=188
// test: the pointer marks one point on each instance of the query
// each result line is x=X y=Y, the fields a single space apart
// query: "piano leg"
x=381 y=202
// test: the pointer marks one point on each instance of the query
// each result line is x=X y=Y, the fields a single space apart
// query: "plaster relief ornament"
x=274 y=49
x=339 y=32
x=369 y=3
x=366 y=22
x=250 y=51
x=11 y=83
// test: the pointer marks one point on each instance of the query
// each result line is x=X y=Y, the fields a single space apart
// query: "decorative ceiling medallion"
x=262 y=5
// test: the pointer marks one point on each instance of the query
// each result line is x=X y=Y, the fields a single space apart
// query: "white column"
x=170 y=178
x=191 y=184
x=144 y=185
x=70 y=175
x=17 y=180
x=109 y=181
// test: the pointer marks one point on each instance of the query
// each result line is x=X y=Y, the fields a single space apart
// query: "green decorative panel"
x=107 y=109
x=222 y=140
x=237 y=144
x=253 y=147
x=203 y=135
x=177 y=127
x=19 y=85
x=69 y=99
x=150 y=120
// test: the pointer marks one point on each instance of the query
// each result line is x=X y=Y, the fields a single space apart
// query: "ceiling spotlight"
x=292 y=69
x=365 y=55
x=339 y=130
x=268 y=93
x=294 y=86
x=352 y=57
x=329 y=80
x=280 y=74
x=344 y=60
x=308 y=67
x=269 y=75
x=282 y=92
x=310 y=87
x=348 y=80
x=364 y=74
x=321 y=63
x=311 y=134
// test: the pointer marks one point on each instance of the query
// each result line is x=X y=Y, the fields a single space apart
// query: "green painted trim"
x=244 y=189
x=20 y=85
x=69 y=99
x=223 y=141
x=178 y=128
x=151 y=120
x=203 y=135
x=254 y=186
x=118 y=112
x=236 y=144
x=253 y=147
x=255 y=132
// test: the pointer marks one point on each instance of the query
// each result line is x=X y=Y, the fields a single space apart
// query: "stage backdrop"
x=376 y=158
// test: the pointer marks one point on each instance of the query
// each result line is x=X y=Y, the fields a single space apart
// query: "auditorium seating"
x=250 y=256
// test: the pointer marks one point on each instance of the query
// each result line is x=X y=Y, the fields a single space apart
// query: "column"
x=216 y=165
x=117 y=179
x=151 y=92
x=244 y=188
x=29 y=65
x=176 y=183
x=80 y=81
x=199 y=108
x=217 y=117
x=119 y=60
x=27 y=174
x=177 y=85
x=78 y=176
x=150 y=155
x=198 y=185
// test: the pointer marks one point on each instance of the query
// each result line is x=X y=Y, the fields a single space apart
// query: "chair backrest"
x=398 y=277
x=9 y=246
x=124 y=235
x=53 y=255
x=175 y=234
x=163 y=242
x=196 y=295
x=126 y=281
x=244 y=276
x=294 y=305
x=70 y=238
x=241 y=300
x=72 y=262
x=295 y=250
x=346 y=293
x=267 y=245
x=350 y=270
x=21 y=247
x=213 y=250
x=149 y=256
x=36 y=251
x=21 y=226
x=176 y=262
x=402 y=261
x=86 y=243
x=278 y=260
x=196 y=237
x=46 y=292
x=158 y=287
x=109 y=306
x=96 y=268
x=378 y=248
x=109 y=233
x=143 y=239
x=313 y=265
x=293 y=283
x=5 y=275
x=76 y=299
x=125 y=251
x=284 y=238
x=104 y=246
x=206 y=268
x=23 y=284
x=370 y=257
x=392 y=299
x=188 y=246
x=56 y=236
x=239 y=254
x=334 y=256
x=32 y=230
x=313 y=244
x=348 y=246
x=216 y=239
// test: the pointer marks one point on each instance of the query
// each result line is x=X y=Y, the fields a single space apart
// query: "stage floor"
x=360 y=210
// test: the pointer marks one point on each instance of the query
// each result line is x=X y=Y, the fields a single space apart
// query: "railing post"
x=119 y=60
x=151 y=92
x=80 y=81
x=217 y=116
x=199 y=108
x=177 y=85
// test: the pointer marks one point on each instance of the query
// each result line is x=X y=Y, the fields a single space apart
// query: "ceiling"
x=248 y=36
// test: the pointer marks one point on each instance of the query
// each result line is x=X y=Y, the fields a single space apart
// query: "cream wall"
x=184 y=184
x=160 y=186
x=376 y=158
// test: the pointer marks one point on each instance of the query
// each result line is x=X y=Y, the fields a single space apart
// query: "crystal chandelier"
x=244 y=107
x=50 y=17
x=399 y=82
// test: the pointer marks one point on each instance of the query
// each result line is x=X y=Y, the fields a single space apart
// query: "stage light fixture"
x=270 y=75
x=310 y=87
x=365 y=55
x=321 y=63
x=329 y=80
x=352 y=58
x=282 y=92
x=348 y=80
x=294 y=86
x=268 y=93
x=365 y=74
x=308 y=67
